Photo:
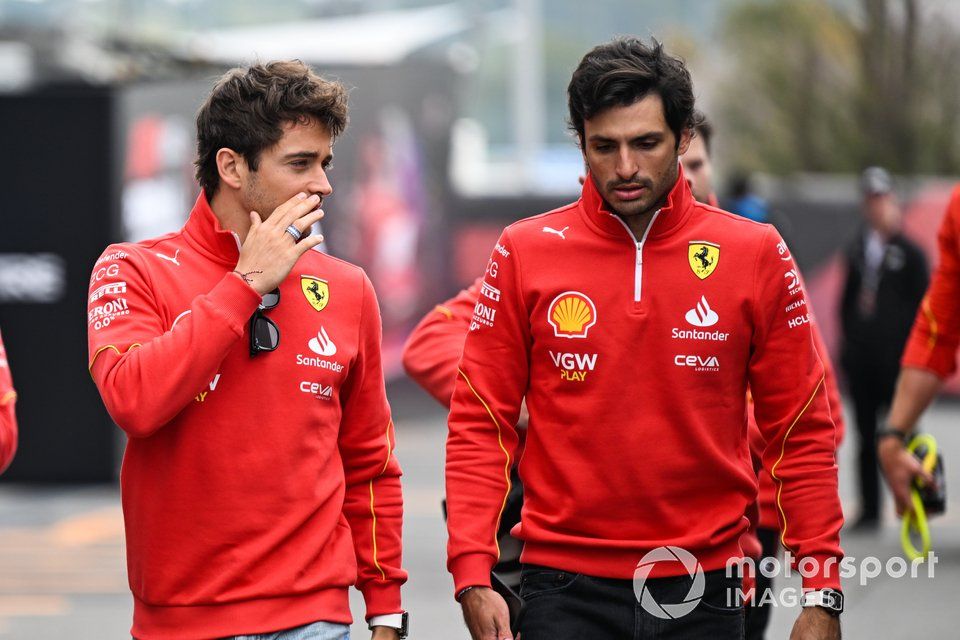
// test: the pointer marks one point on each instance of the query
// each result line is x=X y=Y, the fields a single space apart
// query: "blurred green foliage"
x=819 y=86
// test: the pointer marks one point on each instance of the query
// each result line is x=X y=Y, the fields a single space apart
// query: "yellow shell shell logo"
x=571 y=314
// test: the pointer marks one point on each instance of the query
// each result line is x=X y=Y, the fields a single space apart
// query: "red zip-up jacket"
x=634 y=356
x=255 y=490
x=8 y=416
x=433 y=351
x=935 y=336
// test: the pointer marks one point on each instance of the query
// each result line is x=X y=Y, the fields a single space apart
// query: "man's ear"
x=232 y=168
x=685 y=137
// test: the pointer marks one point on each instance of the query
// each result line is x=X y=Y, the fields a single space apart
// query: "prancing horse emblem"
x=316 y=291
x=703 y=258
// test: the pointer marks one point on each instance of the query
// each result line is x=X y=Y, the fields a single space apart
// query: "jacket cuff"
x=471 y=570
x=235 y=300
x=941 y=361
x=827 y=574
x=392 y=620
x=381 y=598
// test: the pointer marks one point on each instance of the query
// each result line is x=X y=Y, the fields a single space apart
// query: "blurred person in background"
x=430 y=357
x=929 y=359
x=627 y=449
x=698 y=164
x=886 y=276
x=259 y=480
x=744 y=202
x=8 y=416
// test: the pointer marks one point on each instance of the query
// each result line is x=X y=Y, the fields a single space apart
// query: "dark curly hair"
x=625 y=70
x=248 y=107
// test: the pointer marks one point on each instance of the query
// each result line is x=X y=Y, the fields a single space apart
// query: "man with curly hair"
x=259 y=481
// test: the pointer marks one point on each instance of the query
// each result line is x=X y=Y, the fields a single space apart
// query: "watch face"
x=833 y=600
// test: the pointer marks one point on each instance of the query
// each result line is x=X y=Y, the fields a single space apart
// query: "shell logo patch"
x=703 y=257
x=316 y=291
x=571 y=314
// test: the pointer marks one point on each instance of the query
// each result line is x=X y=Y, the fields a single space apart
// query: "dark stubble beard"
x=661 y=190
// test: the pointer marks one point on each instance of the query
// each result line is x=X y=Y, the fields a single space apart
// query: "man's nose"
x=320 y=184
x=626 y=165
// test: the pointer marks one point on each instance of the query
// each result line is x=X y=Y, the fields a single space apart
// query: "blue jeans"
x=314 y=631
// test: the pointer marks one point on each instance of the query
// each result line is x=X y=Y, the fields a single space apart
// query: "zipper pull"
x=639 y=253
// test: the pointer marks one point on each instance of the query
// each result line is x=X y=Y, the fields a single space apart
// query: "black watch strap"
x=890 y=432
x=830 y=600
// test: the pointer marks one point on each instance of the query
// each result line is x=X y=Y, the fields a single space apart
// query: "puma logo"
x=559 y=233
x=173 y=259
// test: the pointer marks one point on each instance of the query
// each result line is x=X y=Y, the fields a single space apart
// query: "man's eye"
x=299 y=164
x=604 y=148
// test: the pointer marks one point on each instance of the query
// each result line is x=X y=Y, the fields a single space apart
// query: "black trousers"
x=559 y=605
x=871 y=386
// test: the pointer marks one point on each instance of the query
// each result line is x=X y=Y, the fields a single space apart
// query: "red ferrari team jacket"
x=634 y=355
x=936 y=331
x=433 y=351
x=8 y=417
x=255 y=490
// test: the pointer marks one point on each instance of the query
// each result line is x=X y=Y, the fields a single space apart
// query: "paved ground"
x=62 y=558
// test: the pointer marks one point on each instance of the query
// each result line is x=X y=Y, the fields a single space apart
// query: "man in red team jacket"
x=259 y=481
x=632 y=322
x=930 y=358
x=433 y=350
x=8 y=417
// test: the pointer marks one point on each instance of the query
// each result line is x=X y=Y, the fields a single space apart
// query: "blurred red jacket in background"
x=8 y=419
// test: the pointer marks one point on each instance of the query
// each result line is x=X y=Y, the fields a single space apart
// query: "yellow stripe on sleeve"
x=373 y=511
x=932 y=321
x=110 y=346
x=783 y=451
x=506 y=465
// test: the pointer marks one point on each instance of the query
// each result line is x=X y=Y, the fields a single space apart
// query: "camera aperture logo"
x=671 y=610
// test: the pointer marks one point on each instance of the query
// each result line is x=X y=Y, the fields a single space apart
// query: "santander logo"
x=702 y=315
x=322 y=344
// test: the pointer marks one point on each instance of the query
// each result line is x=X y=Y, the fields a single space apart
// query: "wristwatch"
x=398 y=621
x=889 y=432
x=829 y=599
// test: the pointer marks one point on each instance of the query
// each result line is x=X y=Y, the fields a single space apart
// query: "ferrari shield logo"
x=703 y=257
x=315 y=291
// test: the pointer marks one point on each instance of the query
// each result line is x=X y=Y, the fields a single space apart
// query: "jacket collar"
x=672 y=216
x=204 y=233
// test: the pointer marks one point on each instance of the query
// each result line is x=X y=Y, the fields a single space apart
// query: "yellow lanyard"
x=915 y=521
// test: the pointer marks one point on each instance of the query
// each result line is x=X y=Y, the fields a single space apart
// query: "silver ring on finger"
x=293 y=231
